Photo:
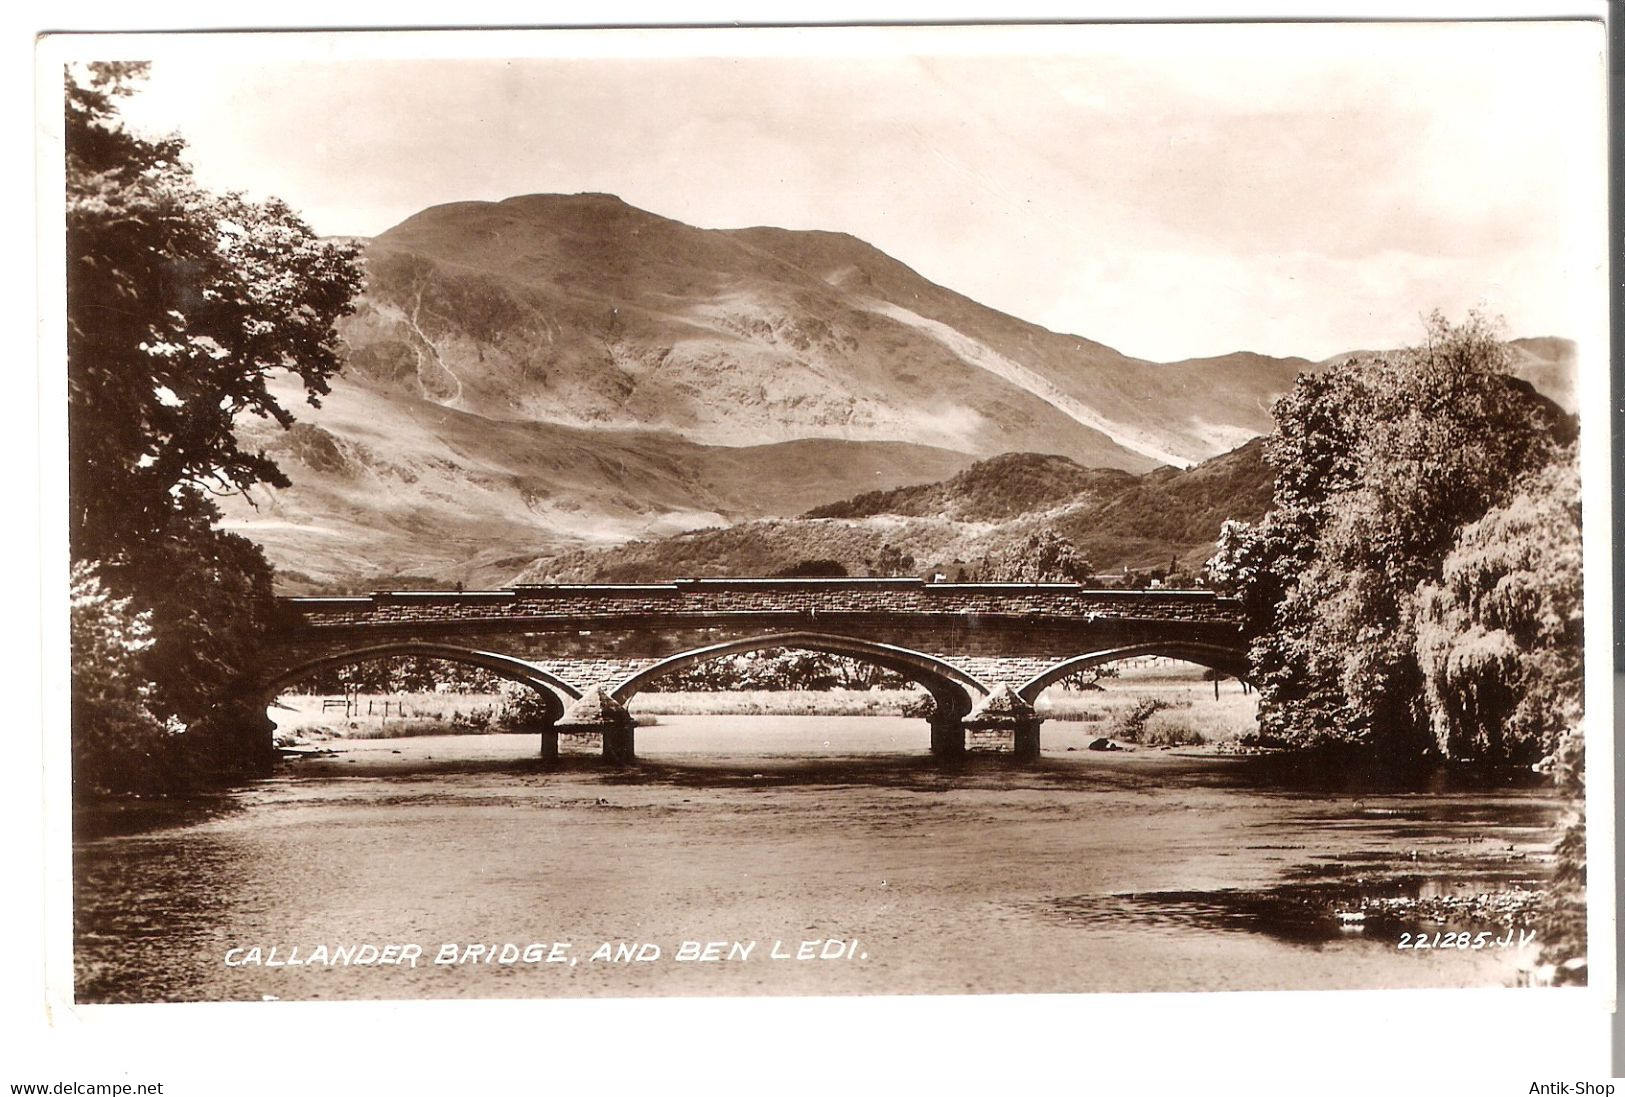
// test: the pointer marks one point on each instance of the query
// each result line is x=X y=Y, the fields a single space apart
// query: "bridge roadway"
x=983 y=651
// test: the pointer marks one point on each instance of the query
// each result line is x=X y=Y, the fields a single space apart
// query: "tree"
x=1088 y=679
x=119 y=743
x=776 y=669
x=1379 y=463
x=182 y=307
x=1563 y=917
x=1500 y=635
x=523 y=708
x=813 y=569
x=1244 y=566
x=1044 y=557
x=1501 y=642
x=893 y=561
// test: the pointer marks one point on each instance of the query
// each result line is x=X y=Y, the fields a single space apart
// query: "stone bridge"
x=983 y=651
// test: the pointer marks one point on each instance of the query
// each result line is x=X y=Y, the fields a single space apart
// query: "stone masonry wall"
x=708 y=597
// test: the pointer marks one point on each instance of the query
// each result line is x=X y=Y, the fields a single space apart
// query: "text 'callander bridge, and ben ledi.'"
x=983 y=651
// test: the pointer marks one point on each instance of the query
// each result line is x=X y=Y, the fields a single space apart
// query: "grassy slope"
x=394 y=489
x=1117 y=520
x=581 y=309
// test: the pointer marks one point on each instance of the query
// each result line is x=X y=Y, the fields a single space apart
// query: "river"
x=768 y=838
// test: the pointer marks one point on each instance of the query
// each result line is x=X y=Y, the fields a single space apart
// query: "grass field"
x=316 y=716
x=764 y=702
x=1187 y=712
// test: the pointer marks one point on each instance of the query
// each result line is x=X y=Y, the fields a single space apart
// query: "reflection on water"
x=1494 y=910
x=1085 y=872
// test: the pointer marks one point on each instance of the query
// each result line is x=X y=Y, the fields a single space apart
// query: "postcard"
x=979 y=513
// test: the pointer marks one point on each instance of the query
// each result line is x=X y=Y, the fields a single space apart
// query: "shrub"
x=1170 y=732
x=921 y=705
x=119 y=743
x=478 y=719
x=1131 y=724
x=521 y=709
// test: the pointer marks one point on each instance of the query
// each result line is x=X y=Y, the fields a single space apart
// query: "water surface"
x=1134 y=871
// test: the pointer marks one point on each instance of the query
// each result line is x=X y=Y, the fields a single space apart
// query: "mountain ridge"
x=548 y=373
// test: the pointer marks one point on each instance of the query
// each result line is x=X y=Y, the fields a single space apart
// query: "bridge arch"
x=555 y=690
x=1214 y=656
x=953 y=690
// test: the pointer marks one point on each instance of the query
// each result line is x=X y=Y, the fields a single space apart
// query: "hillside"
x=1179 y=507
x=583 y=311
x=998 y=488
x=395 y=491
x=1118 y=519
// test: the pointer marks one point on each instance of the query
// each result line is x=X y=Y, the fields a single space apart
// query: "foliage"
x=523 y=708
x=1089 y=678
x=1130 y=725
x=182 y=304
x=775 y=669
x=1170 y=733
x=209 y=597
x=1416 y=585
x=1171 y=508
x=1241 y=568
x=402 y=674
x=474 y=720
x=998 y=488
x=892 y=561
x=1500 y=635
x=119 y=743
x=1117 y=518
x=1379 y=463
x=920 y=705
x=181 y=307
x=1044 y=557
x=1563 y=914
x=813 y=569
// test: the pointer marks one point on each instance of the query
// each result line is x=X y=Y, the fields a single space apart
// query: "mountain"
x=556 y=372
x=1118 y=519
x=582 y=310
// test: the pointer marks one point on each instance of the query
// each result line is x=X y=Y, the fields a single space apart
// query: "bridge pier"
x=1026 y=745
x=550 y=745
x=1003 y=717
x=597 y=711
x=618 y=744
x=947 y=737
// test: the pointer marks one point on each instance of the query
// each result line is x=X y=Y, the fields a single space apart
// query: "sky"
x=1170 y=191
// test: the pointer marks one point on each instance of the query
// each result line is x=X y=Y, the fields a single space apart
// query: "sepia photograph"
x=830 y=512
